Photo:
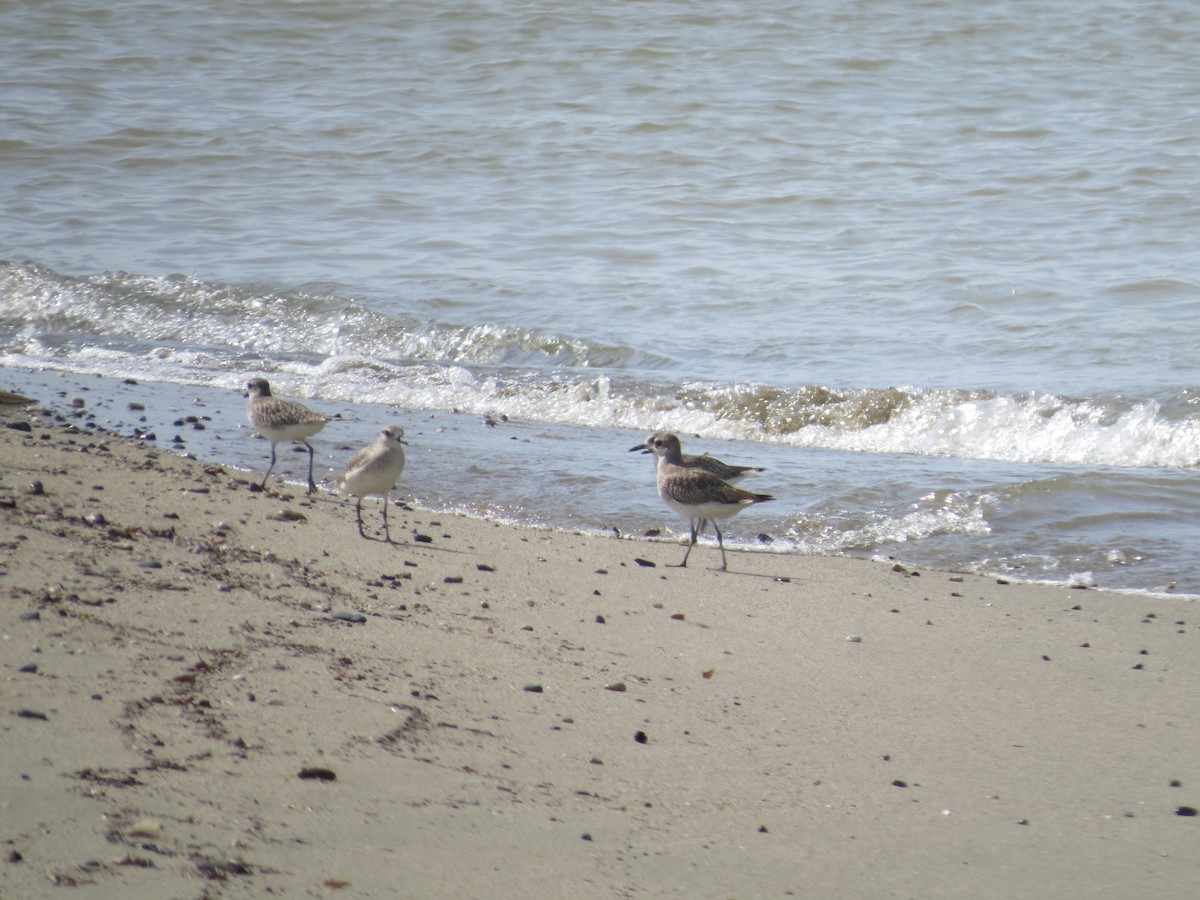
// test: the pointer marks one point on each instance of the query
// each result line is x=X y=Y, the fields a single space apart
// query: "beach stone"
x=345 y=616
x=146 y=828
x=317 y=772
x=533 y=688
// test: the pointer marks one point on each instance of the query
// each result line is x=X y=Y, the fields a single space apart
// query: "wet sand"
x=209 y=691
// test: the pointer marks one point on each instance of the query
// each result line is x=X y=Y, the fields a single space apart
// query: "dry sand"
x=512 y=712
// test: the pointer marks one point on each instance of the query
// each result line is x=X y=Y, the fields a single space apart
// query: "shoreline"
x=516 y=711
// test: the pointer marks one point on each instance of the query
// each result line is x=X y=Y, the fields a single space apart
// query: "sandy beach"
x=210 y=691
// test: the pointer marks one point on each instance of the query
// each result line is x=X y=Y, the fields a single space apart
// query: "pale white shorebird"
x=696 y=493
x=374 y=470
x=282 y=420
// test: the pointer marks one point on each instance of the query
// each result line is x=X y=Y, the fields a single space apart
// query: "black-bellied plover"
x=730 y=474
x=374 y=470
x=282 y=420
x=696 y=493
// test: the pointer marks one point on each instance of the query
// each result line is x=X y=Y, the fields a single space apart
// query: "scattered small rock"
x=640 y=737
x=1185 y=811
x=146 y=828
x=32 y=714
x=645 y=563
x=345 y=616
x=317 y=772
x=618 y=686
x=533 y=688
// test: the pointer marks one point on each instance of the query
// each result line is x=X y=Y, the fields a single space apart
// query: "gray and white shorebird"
x=374 y=470
x=730 y=474
x=282 y=420
x=696 y=493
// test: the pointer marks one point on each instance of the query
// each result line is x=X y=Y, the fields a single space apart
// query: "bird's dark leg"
x=721 y=544
x=386 y=534
x=691 y=544
x=312 y=485
x=263 y=486
x=358 y=513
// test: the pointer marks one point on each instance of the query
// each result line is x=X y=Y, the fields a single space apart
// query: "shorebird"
x=696 y=493
x=282 y=420
x=374 y=470
x=726 y=472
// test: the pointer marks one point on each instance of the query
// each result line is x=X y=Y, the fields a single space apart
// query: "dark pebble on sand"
x=20 y=426
x=30 y=616
x=37 y=488
x=533 y=688
x=645 y=563
x=422 y=539
x=640 y=737
x=1185 y=810
x=344 y=616
x=452 y=579
x=317 y=773
x=899 y=783
x=29 y=668
x=32 y=714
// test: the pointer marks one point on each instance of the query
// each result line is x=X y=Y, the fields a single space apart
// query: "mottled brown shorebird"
x=282 y=420
x=730 y=474
x=696 y=493
x=374 y=470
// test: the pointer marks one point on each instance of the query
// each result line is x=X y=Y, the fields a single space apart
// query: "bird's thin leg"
x=312 y=485
x=386 y=534
x=263 y=486
x=358 y=513
x=721 y=544
x=691 y=544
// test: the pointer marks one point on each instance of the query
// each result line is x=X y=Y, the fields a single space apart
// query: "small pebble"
x=320 y=774
x=645 y=563
x=345 y=616
x=1185 y=810
x=619 y=687
x=146 y=828
x=640 y=737
x=533 y=688
x=29 y=668
x=32 y=714
x=854 y=638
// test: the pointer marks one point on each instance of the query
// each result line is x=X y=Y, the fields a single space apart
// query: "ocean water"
x=933 y=264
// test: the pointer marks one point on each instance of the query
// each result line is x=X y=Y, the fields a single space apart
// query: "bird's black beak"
x=641 y=447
